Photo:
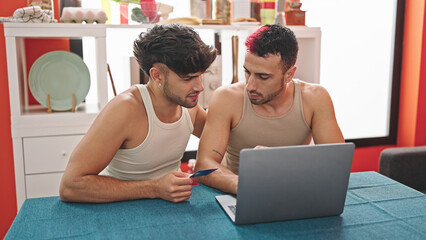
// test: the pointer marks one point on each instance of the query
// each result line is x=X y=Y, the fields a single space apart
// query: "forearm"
x=222 y=179
x=99 y=189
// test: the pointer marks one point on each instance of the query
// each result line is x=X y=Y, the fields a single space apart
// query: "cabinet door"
x=43 y=185
x=48 y=154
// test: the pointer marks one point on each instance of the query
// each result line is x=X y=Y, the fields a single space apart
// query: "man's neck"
x=166 y=110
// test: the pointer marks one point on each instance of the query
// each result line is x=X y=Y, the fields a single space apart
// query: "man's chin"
x=254 y=102
x=191 y=104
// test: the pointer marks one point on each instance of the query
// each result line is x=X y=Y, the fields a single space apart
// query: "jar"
x=255 y=9
x=267 y=12
x=224 y=11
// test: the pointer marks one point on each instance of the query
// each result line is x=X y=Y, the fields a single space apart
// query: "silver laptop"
x=292 y=182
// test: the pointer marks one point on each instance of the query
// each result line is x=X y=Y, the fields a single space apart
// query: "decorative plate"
x=60 y=74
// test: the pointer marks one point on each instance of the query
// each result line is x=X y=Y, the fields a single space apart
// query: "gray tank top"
x=253 y=129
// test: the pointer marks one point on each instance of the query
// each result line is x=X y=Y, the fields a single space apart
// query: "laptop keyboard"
x=233 y=208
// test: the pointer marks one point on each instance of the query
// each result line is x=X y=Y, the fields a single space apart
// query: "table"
x=376 y=207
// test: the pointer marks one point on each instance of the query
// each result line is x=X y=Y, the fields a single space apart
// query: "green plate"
x=60 y=74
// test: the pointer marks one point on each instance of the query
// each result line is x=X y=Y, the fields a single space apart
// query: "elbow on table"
x=66 y=192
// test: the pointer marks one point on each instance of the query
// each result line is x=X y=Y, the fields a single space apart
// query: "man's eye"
x=263 y=77
x=187 y=79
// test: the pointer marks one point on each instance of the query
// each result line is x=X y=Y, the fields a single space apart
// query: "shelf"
x=58 y=123
x=41 y=110
x=16 y=33
x=212 y=27
x=299 y=31
x=47 y=30
x=98 y=30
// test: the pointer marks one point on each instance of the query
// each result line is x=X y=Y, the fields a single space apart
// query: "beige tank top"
x=253 y=129
x=161 y=151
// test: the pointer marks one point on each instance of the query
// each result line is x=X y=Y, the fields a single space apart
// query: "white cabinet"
x=48 y=154
x=43 y=142
x=42 y=185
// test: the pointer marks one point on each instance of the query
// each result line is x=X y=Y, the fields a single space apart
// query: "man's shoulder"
x=314 y=95
x=235 y=90
x=312 y=89
x=130 y=96
x=127 y=102
x=227 y=101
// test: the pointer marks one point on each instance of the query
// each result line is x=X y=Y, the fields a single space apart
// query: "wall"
x=411 y=131
x=412 y=113
x=420 y=138
x=413 y=84
x=7 y=177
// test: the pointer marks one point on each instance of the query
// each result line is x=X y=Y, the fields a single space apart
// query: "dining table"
x=376 y=207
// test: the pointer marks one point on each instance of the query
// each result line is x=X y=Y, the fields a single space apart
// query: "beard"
x=184 y=102
x=263 y=100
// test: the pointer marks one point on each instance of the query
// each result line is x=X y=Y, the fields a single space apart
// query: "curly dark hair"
x=274 y=39
x=177 y=46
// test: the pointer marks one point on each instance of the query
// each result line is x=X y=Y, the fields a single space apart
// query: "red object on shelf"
x=295 y=17
x=149 y=8
x=268 y=5
x=124 y=13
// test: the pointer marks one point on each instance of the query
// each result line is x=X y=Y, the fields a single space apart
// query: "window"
x=361 y=49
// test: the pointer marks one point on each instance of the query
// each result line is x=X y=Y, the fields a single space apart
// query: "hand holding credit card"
x=203 y=172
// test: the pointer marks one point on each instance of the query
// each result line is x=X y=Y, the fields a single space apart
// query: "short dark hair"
x=274 y=39
x=177 y=46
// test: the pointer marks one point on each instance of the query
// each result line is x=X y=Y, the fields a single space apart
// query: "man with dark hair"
x=134 y=146
x=269 y=109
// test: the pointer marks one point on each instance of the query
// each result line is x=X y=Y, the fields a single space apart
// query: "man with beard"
x=134 y=146
x=269 y=109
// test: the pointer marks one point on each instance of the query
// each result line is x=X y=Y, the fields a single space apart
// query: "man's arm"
x=200 y=120
x=214 y=141
x=325 y=128
x=111 y=130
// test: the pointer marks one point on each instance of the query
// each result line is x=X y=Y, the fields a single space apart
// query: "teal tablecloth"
x=376 y=208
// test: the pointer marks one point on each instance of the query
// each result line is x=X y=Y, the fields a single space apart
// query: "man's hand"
x=174 y=187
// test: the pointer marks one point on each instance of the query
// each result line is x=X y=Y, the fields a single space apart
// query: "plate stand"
x=49 y=107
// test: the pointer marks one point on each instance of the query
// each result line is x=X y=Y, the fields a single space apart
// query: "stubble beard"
x=176 y=99
x=264 y=100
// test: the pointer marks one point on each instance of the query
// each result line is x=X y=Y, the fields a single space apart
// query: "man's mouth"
x=253 y=95
x=194 y=96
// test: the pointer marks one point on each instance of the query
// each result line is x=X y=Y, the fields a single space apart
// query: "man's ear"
x=289 y=74
x=156 y=75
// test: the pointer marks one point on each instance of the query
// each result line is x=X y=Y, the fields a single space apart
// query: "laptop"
x=291 y=182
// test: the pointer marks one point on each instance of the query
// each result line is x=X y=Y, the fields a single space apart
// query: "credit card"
x=204 y=172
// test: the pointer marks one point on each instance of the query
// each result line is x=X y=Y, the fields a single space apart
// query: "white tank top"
x=161 y=151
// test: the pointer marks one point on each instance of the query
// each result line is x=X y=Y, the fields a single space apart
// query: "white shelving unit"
x=43 y=142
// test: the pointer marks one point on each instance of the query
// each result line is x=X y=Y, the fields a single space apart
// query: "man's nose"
x=198 y=84
x=250 y=83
